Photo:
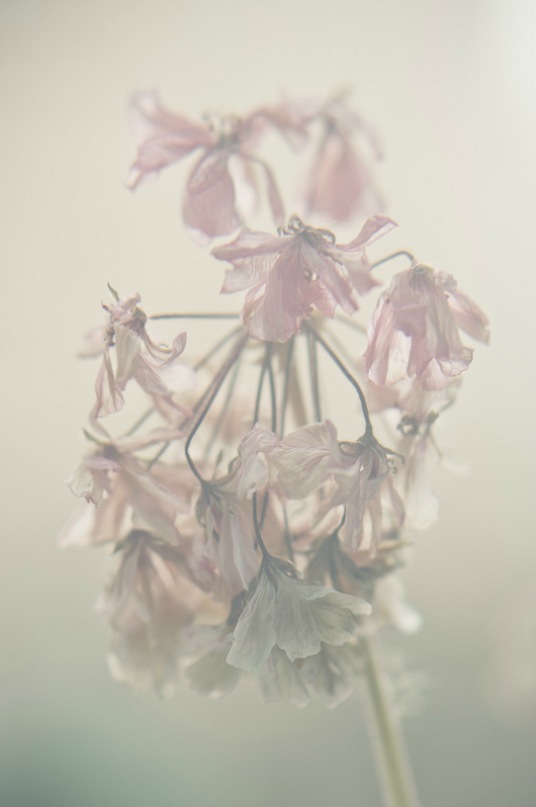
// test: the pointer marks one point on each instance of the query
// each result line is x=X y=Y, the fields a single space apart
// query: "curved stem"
x=394 y=771
x=313 y=375
x=403 y=253
x=216 y=386
x=347 y=374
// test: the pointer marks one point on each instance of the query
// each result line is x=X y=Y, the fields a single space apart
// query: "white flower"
x=293 y=614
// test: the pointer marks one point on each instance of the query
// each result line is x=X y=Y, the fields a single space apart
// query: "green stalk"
x=394 y=771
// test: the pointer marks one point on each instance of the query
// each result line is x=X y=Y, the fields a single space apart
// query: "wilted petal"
x=252 y=473
x=209 y=201
x=293 y=614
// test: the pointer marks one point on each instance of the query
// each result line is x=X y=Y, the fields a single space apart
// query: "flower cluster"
x=251 y=536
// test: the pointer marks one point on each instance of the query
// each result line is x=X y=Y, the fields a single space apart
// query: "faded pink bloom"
x=340 y=181
x=147 y=603
x=312 y=456
x=421 y=408
x=301 y=269
x=225 y=173
x=414 y=330
x=226 y=510
x=137 y=357
x=123 y=494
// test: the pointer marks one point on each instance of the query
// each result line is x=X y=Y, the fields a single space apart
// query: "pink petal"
x=210 y=207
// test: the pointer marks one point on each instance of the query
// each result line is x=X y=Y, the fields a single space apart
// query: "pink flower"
x=122 y=493
x=414 y=330
x=301 y=269
x=341 y=182
x=421 y=408
x=137 y=357
x=226 y=509
x=359 y=474
x=147 y=602
x=224 y=173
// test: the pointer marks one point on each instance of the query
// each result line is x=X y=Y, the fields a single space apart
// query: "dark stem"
x=400 y=254
x=266 y=369
x=225 y=407
x=258 y=534
x=347 y=374
x=216 y=386
x=313 y=374
x=140 y=421
x=271 y=382
x=286 y=379
x=217 y=347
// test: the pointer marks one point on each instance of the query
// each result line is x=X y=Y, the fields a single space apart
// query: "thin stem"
x=288 y=540
x=286 y=379
x=271 y=382
x=216 y=348
x=140 y=421
x=393 y=765
x=347 y=374
x=195 y=316
x=400 y=254
x=258 y=534
x=257 y=407
x=203 y=397
x=313 y=374
x=225 y=408
x=216 y=386
x=266 y=369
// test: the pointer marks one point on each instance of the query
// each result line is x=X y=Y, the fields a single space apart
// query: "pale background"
x=450 y=87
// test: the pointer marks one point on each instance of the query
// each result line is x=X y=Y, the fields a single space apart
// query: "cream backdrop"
x=450 y=87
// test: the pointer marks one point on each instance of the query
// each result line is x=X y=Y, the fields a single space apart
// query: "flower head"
x=340 y=180
x=137 y=356
x=358 y=475
x=224 y=178
x=414 y=330
x=291 y=274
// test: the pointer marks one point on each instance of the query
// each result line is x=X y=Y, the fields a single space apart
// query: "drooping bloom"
x=292 y=614
x=414 y=330
x=225 y=508
x=421 y=408
x=340 y=180
x=137 y=357
x=359 y=474
x=224 y=179
x=121 y=493
x=290 y=274
x=147 y=602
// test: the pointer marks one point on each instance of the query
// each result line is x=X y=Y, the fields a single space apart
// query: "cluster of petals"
x=223 y=179
x=137 y=357
x=329 y=674
x=302 y=268
x=414 y=330
x=294 y=615
x=312 y=456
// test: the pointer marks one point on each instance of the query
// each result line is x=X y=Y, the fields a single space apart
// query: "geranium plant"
x=251 y=536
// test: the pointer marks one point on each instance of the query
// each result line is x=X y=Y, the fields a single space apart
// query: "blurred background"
x=450 y=87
